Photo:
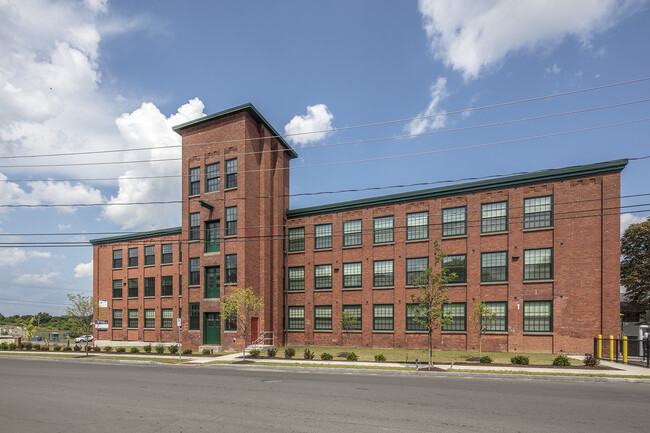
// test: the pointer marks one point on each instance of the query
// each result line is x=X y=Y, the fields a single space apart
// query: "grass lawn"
x=410 y=355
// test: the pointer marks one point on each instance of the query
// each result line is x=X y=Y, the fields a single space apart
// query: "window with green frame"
x=382 y=317
x=383 y=229
x=538 y=316
x=458 y=313
x=296 y=317
x=117 y=289
x=296 y=279
x=322 y=236
x=149 y=255
x=352 y=275
x=494 y=217
x=323 y=277
x=500 y=321
x=212 y=282
x=538 y=264
x=133 y=287
x=323 y=318
x=167 y=318
x=355 y=312
x=413 y=312
x=296 y=239
x=230 y=323
x=149 y=318
x=132 y=322
x=454 y=221
x=166 y=253
x=212 y=244
x=456 y=264
x=494 y=267
x=166 y=285
x=149 y=287
x=195 y=322
x=117 y=319
x=538 y=212
x=352 y=234
x=417 y=226
x=382 y=275
x=212 y=179
x=414 y=268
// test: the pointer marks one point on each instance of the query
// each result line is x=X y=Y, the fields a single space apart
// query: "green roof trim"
x=466 y=188
x=140 y=235
x=248 y=107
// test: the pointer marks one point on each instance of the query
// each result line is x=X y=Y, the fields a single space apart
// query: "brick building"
x=542 y=249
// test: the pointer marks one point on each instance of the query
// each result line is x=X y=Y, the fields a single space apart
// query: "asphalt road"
x=62 y=396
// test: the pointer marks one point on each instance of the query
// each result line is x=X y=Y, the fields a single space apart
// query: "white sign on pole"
x=178 y=322
x=103 y=303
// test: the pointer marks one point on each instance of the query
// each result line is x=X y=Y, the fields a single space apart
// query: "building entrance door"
x=211 y=328
x=255 y=329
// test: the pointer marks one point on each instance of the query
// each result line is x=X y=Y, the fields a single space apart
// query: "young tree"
x=635 y=266
x=483 y=317
x=432 y=295
x=348 y=323
x=30 y=328
x=80 y=311
x=241 y=305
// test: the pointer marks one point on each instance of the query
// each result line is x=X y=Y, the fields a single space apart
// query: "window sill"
x=133 y=297
x=538 y=281
x=194 y=195
x=494 y=283
x=229 y=284
x=381 y=244
x=456 y=285
x=382 y=332
x=415 y=241
x=230 y=189
x=148 y=329
x=356 y=331
x=117 y=299
x=117 y=269
x=295 y=330
x=132 y=329
x=316 y=250
x=384 y=288
x=495 y=333
x=149 y=297
x=166 y=296
x=416 y=332
x=116 y=329
x=149 y=266
x=193 y=241
x=166 y=329
x=529 y=333
x=212 y=253
x=133 y=267
x=192 y=286
x=350 y=247
x=454 y=332
x=194 y=330
x=296 y=252
x=166 y=264
x=322 y=290
x=539 y=229
x=505 y=232
x=444 y=238
x=212 y=299
x=322 y=331
x=229 y=331
x=295 y=291
x=351 y=289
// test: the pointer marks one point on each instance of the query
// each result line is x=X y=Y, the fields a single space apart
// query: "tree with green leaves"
x=30 y=328
x=432 y=295
x=348 y=322
x=635 y=265
x=241 y=305
x=80 y=310
x=483 y=318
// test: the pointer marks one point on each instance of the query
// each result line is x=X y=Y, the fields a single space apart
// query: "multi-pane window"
x=195 y=226
x=117 y=289
x=149 y=318
x=323 y=277
x=149 y=255
x=494 y=217
x=538 y=316
x=454 y=221
x=353 y=312
x=133 y=257
x=296 y=239
x=458 y=313
x=456 y=264
x=231 y=221
x=230 y=323
x=149 y=287
x=538 y=212
x=117 y=259
x=117 y=319
x=180 y=285
x=322 y=236
x=231 y=269
x=296 y=317
x=195 y=180
x=382 y=273
x=352 y=233
x=212 y=237
x=351 y=275
x=212 y=282
x=133 y=287
x=382 y=317
x=231 y=173
x=414 y=268
x=166 y=318
x=296 y=279
x=180 y=252
x=494 y=267
x=538 y=264
x=323 y=318
x=382 y=229
x=194 y=316
x=195 y=271
x=166 y=253
x=166 y=285
x=212 y=177
x=500 y=321
x=132 y=319
x=415 y=318
x=417 y=226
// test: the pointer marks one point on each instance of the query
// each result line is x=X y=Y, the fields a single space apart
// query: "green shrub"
x=271 y=352
x=147 y=348
x=205 y=352
x=289 y=352
x=77 y=348
x=120 y=349
x=57 y=348
x=26 y=346
x=67 y=349
x=36 y=346
x=4 y=346
x=107 y=348
x=380 y=357
x=134 y=350
x=45 y=348
x=591 y=361
x=187 y=351
x=308 y=354
x=160 y=348
x=485 y=360
x=172 y=349
x=326 y=356
x=352 y=357
x=562 y=361
x=520 y=359
x=254 y=353
x=11 y=346
x=96 y=348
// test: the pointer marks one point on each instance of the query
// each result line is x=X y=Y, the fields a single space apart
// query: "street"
x=62 y=396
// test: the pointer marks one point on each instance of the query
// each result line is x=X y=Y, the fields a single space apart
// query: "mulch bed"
x=570 y=367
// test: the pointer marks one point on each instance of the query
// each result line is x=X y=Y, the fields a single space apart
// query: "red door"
x=255 y=329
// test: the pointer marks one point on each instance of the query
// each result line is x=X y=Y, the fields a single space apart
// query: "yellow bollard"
x=600 y=346
x=624 y=350
x=611 y=348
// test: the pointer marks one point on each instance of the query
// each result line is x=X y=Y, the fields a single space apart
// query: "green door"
x=212 y=282
x=211 y=328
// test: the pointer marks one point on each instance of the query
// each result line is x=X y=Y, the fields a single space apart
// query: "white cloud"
x=438 y=93
x=555 y=69
x=64 y=193
x=11 y=257
x=628 y=219
x=471 y=35
x=318 y=118
x=39 y=254
x=47 y=278
x=64 y=226
x=84 y=270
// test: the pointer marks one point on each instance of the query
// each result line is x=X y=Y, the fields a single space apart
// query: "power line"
x=22 y=301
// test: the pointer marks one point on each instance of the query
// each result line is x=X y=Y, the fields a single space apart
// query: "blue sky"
x=95 y=75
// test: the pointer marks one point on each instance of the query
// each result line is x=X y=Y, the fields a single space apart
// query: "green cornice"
x=465 y=188
x=248 y=107
x=140 y=235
